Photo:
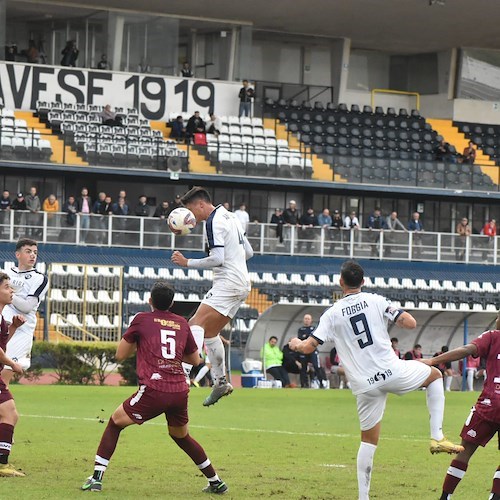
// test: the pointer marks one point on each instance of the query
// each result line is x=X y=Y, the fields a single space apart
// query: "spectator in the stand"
x=178 y=129
x=463 y=231
x=32 y=54
x=390 y=237
x=100 y=207
x=70 y=208
x=103 y=63
x=195 y=125
x=108 y=205
x=10 y=52
x=376 y=224
x=277 y=218
x=186 y=71
x=415 y=225
x=214 y=125
x=336 y=231
x=109 y=117
x=325 y=219
x=5 y=202
x=394 y=345
x=70 y=54
x=443 y=152
x=242 y=216
x=227 y=206
x=415 y=353
x=142 y=208
x=291 y=214
x=120 y=207
x=100 y=204
x=162 y=210
x=272 y=361
x=308 y=222
x=246 y=95
x=19 y=203
x=50 y=204
x=176 y=203
x=351 y=221
x=469 y=154
x=85 y=209
x=34 y=206
x=489 y=231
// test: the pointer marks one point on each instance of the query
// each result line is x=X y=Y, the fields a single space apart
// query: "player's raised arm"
x=306 y=346
x=215 y=259
x=17 y=321
x=453 y=355
x=406 y=321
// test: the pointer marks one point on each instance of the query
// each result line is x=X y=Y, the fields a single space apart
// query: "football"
x=181 y=221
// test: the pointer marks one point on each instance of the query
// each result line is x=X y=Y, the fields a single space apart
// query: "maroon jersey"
x=4 y=335
x=488 y=347
x=162 y=338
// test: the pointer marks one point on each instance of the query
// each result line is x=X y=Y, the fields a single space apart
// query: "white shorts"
x=371 y=404
x=225 y=300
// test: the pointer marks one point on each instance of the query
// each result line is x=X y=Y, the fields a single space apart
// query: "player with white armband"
x=357 y=325
x=30 y=287
x=229 y=250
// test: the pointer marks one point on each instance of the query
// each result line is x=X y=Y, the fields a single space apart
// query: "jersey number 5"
x=168 y=343
x=360 y=327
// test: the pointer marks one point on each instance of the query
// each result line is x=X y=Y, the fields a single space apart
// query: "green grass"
x=280 y=444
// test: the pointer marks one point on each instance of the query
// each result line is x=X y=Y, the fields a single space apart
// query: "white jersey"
x=224 y=231
x=26 y=284
x=357 y=325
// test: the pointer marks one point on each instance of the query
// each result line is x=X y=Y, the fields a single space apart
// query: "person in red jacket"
x=489 y=231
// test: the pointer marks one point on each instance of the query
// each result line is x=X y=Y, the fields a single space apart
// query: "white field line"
x=241 y=429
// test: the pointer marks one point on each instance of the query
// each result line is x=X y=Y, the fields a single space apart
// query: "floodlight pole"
x=464 y=362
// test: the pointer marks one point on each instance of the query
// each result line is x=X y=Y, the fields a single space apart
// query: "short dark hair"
x=273 y=337
x=3 y=277
x=417 y=346
x=25 y=242
x=445 y=348
x=196 y=193
x=162 y=295
x=394 y=339
x=352 y=273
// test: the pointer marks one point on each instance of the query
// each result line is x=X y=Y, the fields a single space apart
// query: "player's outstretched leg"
x=457 y=469
x=197 y=454
x=105 y=451
x=8 y=419
x=217 y=356
x=435 y=404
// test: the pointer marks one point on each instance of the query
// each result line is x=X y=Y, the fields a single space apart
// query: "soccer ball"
x=181 y=221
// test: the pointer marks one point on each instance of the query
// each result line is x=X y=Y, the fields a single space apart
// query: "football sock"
x=435 y=405
x=197 y=454
x=203 y=371
x=6 y=433
x=106 y=448
x=495 y=489
x=217 y=356
x=447 y=381
x=470 y=380
x=454 y=474
x=365 y=465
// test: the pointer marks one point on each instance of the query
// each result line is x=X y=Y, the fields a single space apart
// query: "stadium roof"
x=397 y=26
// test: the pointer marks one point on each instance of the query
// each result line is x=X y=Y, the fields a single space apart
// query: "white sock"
x=365 y=465
x=217 y=356
x=470 y=380
x=435 y=405
x=447 y=382
x=203 y=371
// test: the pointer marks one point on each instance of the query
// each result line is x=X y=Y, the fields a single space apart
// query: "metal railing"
x=151 y=232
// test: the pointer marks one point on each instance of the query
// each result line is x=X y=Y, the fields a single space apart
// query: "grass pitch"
x=280 y=444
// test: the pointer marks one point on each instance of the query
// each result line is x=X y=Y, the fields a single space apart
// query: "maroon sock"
x=455 y=473
x=197 y=454
x=106 y=448
x=6 y=433
x=495 y=489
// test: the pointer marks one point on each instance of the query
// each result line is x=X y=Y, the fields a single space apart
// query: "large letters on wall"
x=22 y=85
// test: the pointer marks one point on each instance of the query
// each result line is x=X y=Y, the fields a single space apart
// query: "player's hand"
x=179 y=259
x=18 y=320
x=294 y=343
x=17 y=368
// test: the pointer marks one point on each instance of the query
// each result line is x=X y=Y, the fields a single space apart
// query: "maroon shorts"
x=147 y=403
x=477 y=430
x=5 y=394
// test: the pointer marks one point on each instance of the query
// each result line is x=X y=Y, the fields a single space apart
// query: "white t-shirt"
x=26 y=284
x=357 y=325
x=225 y=231
x=243 y=217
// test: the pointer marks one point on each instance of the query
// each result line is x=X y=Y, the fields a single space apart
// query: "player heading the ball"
x=229 y=250
x=163 y=341
x=357 y=325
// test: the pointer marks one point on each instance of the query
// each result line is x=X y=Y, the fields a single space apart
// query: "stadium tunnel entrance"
x=435 y=328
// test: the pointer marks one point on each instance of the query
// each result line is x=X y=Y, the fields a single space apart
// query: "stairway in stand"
x=453 y=136
x=60 y=152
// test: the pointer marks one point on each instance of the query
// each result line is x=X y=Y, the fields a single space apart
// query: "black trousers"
x=318 y=371
x=279 y=373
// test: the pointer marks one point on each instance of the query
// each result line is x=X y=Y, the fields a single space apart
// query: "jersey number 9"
x=360 y=327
